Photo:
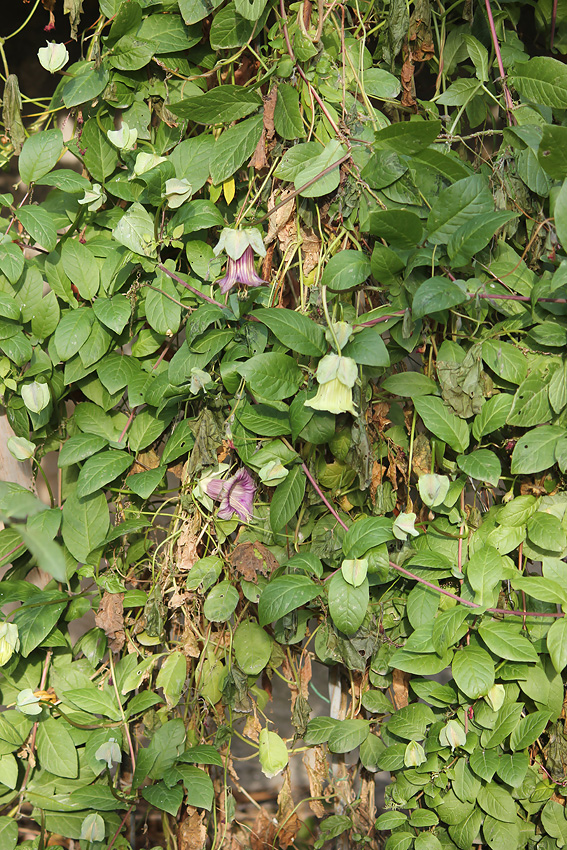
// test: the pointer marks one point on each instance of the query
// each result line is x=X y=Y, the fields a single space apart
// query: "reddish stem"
x=507 y=95
x=189 y=287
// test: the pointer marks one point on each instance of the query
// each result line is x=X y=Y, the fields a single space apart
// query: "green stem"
x=25 y=23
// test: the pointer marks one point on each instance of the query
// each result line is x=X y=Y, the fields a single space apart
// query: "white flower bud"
x=20 y=448
x=53 y=57
x=36 y=396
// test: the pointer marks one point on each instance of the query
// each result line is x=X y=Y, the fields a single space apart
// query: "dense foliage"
x=352 y=456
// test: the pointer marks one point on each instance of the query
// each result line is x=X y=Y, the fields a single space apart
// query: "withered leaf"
x=11 y=113
x=208 y=438
x=249 y=559
x=317 y=769
x=263 y=832
x=73 y=8
x=110 y=618
x=289 y=823
x=192 y=831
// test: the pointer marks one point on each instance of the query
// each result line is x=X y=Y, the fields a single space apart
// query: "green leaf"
x=346 y=270
x=529 y=729
x=272 y=376
x=473 y=671
x=347 y=735
x=367 y=348
x=113 y=312
x=466 y=829
x=171 y=677
x=201 y=754
x=72 y=332
x=409 y=384
x=330 y=155
x=287 y=115
x=411 y=721
x=535 y=451
x=442 y=423
x=507 y=361
x=163 y=798
x=87 y=83
x=552 y=151
x=561 y=214
x=252 y=648
x=180 y=443
x=35 y=623
x=347 y=604
x=194 y=11
x=55 y=749
x=100 y=156
x=497 y=802
x=504 y=640
x=365 y=534
x=8 y=833
x=381 y=84
x=479 y=55
x=229 y=29
x=542 y=80
x=513 y=768
x=484 y=763
x=546 y=531
x=163 y=314
x=101 y=469
x=481 y=464
x=407 y=136
x=435 y=294
x=376 y=702
x=544 y=589
x=531 y=403
x=554 y=821
x=319 y=730
x=81 y=268
x=40 y=225
x=66 y=180
x=287 y=498
x=147 y=427
x=93 y=701
x=474 y=235
x=198 y=786
x=130 y=53
x=251 y=9
x=485 y=571
x=135 y=230
x=400 y=840
x=47 y=553
x=295 y=330
x=143 y=484
x=557 y=644
x=220 y=105
x=40 y=154
x=13 y=262
x=221 y=602
x=272 y=753
x=400 y=228
x=85 y=524
x=463 y=201
x=234 y=147
x=283 y=595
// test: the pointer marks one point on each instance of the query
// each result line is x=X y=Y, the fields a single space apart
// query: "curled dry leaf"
x=400 y=681
x=110 y=618
x=187 y=543
x=315 y=762
x=289 y=823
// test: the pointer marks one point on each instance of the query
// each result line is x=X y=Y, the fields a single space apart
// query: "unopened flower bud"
x=452 y=735
x=9 y=642
x=414 y=755
x=53 y=57
x=20 y=448
x=36 y=396
x=177 y=192
x=93 y=198
x=92 y=828
x=124 y=138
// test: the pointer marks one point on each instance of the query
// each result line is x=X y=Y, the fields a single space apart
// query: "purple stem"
x=413 y=576
x=507 y=95
x=189 y=287
x=553 y=22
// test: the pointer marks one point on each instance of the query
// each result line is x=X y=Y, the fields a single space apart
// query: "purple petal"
x=240 y=495
x=215 y=488
x=230 y=279
x=246 y=271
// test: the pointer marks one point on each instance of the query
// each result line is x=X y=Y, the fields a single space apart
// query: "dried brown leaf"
x=187 y=543
x=259 y=159
x=315 y=762
x=286 y=816
x=249 y=559
x=192 y=831
x=269 y=109
x=110 y=618
x=263 y=832
x=252 y=728
x=400 y=682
